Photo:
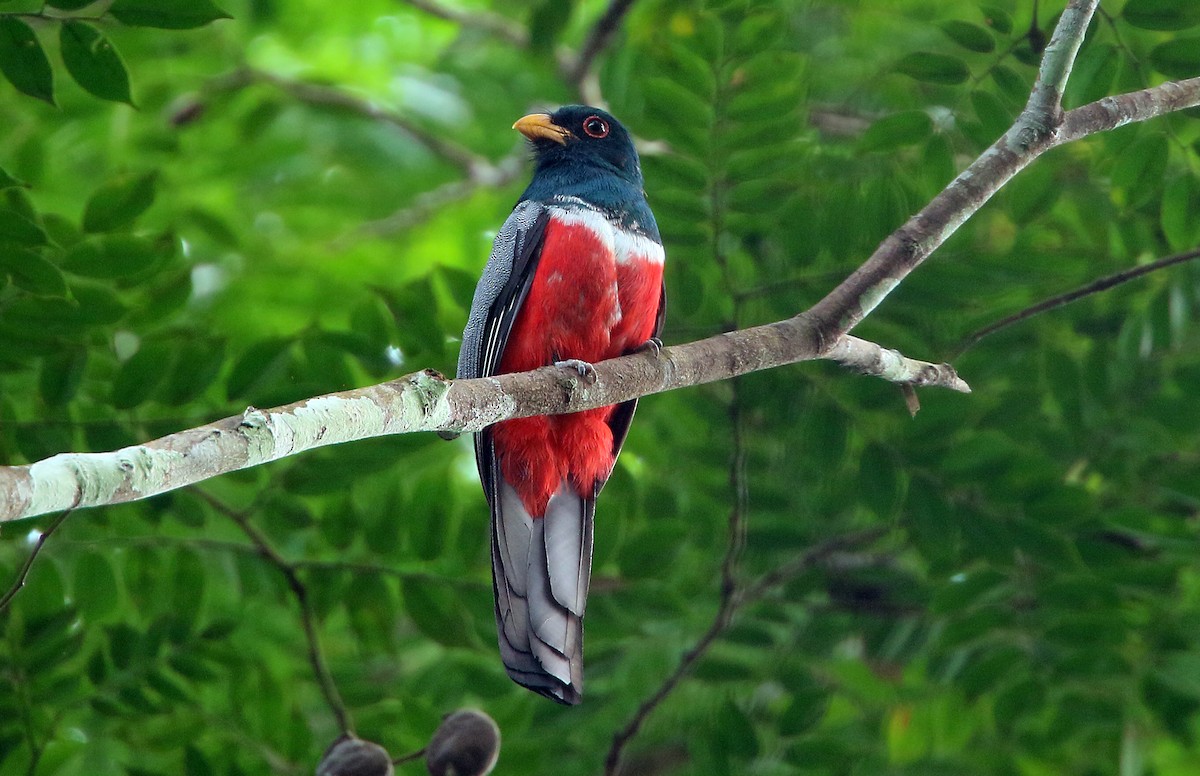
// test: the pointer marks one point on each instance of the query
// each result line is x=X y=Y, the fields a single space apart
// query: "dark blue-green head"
x=581 y=151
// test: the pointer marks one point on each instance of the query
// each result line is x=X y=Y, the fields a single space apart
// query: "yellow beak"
x=539 y=125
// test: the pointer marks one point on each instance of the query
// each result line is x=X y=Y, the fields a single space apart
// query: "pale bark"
x=426 y=401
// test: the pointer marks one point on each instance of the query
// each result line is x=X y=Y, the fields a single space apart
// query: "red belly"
x=583 y=304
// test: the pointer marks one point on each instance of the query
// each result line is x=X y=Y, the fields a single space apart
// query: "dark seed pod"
x=350 y=756
x=467 y=743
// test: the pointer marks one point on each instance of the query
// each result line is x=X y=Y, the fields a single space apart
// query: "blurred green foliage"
x=284 y=214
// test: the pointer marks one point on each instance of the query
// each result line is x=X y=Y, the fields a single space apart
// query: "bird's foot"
x=654 y=345
x=586 y=371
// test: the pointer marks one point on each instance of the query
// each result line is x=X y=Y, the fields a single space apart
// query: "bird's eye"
x=595 y=127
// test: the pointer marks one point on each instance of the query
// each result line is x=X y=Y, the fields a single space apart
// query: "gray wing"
x=502 y=290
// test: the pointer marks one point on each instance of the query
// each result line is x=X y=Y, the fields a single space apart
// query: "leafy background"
x=200 y=213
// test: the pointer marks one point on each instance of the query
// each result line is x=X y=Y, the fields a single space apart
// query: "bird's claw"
x=586 y=371
x=654 y=344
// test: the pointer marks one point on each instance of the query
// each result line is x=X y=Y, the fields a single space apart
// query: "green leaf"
x=736 y=734
x=61 y=374
x=1179 y=58
x=93 y=62
x=140 y=375
x=991 y=113
x=805 y=711
x=69 y=5
x=372 y=608
x=436 y=611
x=969 y=36
x=1179 y=218
x=997 y=18
x=897 y=130
x=32 y=272
x=1139 y=170
x=95 y=584
x=1093 y=74
x=8 y=182
x=22 y=60
x=97 y=304
x=166 y=14
x=187 y=587
x=937 y=163
x=1011 y=84
x=195 y=763
x=257 y=368
x=196 y=368
x=546 y=23
x=111 y=256
x=934 y=68
x=16 y=228
x=1162 y=14
x=118 y=202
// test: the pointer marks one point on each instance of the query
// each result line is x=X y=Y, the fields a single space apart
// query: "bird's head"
x=581 y=135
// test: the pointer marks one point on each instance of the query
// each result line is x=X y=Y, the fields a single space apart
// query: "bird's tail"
x=540 y=573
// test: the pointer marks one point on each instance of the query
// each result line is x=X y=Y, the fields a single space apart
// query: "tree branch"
x=729 y=606
x=906 y=248
x=1112 y=112
x=426 y=401
x=425 y=205
x=316 y=657
x=1095 y=287
x=492 y=23
x=423 y=401
x=23 y=574
x=598 y=39
x=331 y=97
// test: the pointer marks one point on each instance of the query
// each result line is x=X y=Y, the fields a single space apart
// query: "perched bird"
x=575 y=277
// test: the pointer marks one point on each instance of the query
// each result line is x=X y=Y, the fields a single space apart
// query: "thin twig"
x=1095 y=287
x=304 y=564
x=406 y=758
x=1037 y=129
x=315 y=656
x=725 y=613
x=598 y=39
x=785 y=573
x=492 y=23
x=37 y=547
x=331 y=97
x=429 y=203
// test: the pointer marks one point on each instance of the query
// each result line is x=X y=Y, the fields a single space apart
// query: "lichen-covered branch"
x=870 y=359
x=424 y=401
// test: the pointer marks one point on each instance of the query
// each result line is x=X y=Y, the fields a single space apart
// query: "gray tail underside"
x=540 y=573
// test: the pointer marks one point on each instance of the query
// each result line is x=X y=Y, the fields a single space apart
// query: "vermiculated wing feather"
x=502 y=289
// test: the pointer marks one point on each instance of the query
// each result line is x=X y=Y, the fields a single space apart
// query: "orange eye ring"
x=594 y=126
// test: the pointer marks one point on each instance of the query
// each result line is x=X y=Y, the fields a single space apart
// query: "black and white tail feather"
x=540 y=568
x=540 y=573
